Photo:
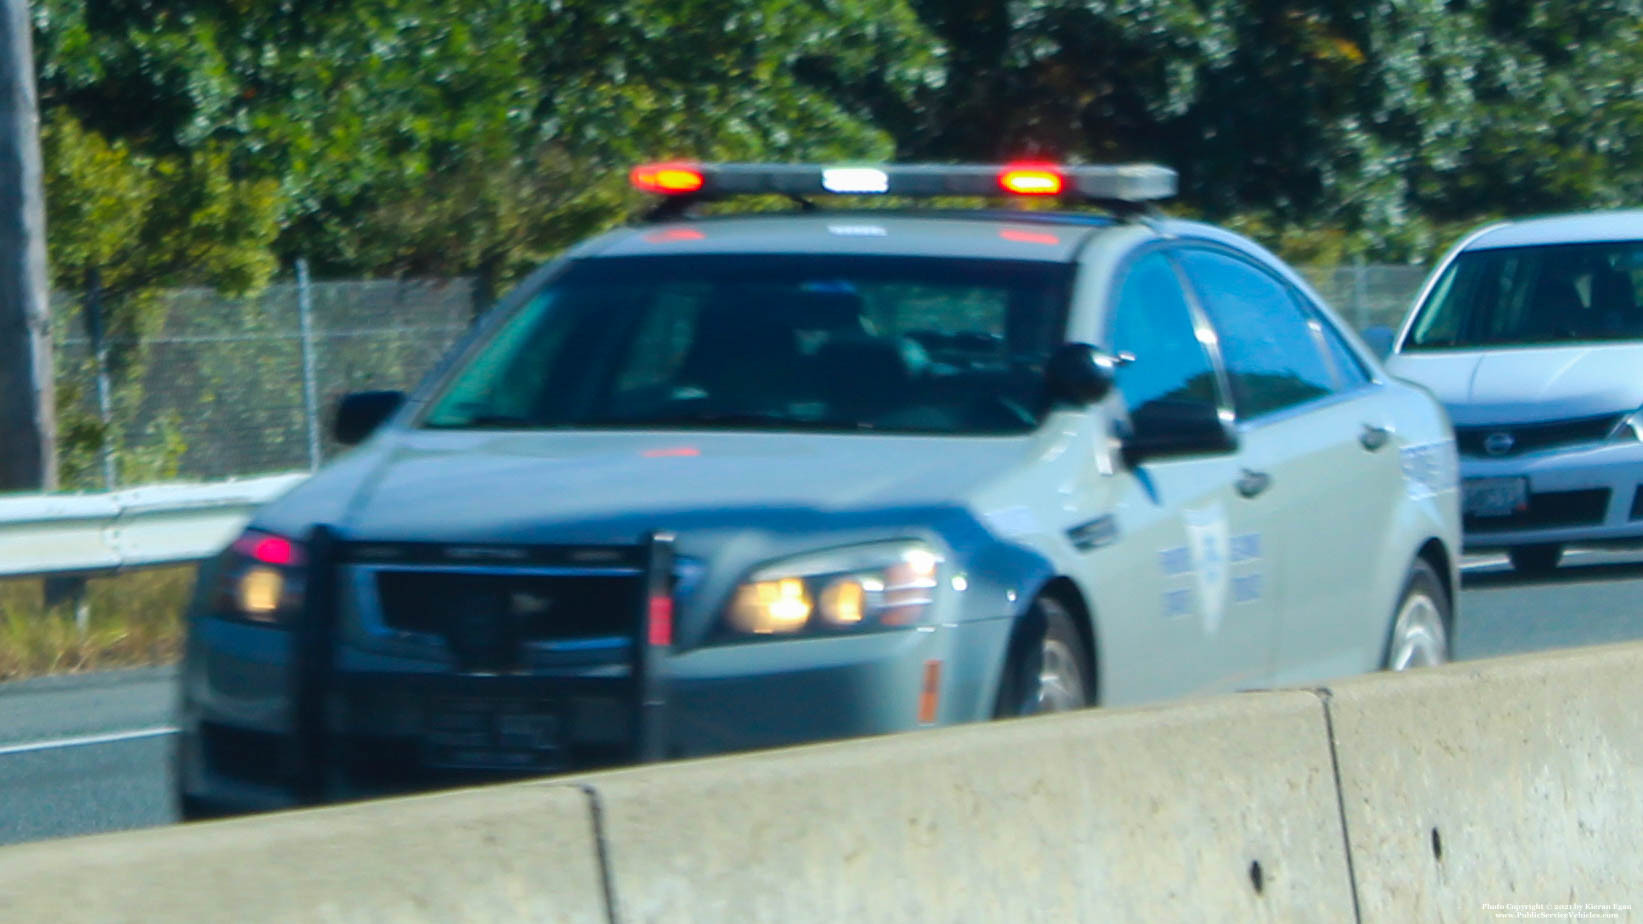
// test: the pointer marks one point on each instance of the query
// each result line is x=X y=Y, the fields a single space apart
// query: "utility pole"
x=28 y=452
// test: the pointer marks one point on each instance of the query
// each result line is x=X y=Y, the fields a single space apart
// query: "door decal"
x=1207 y=544
x=1429 y=469
x=1212 y=570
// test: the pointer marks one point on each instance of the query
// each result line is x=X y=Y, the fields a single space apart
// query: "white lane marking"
x=81 y=740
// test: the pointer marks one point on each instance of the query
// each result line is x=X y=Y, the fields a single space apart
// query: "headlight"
x=884 y=585
x=261 y=578
x=1630 y=429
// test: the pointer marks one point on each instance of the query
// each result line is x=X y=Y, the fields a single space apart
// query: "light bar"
x=1115 y=183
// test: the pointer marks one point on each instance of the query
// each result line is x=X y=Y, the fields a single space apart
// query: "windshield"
x=1534 y=295
x=852 y=343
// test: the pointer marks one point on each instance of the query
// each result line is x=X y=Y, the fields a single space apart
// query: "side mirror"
x=1380 y=338
x=361 y=413
x=1175 y=427
x=1080 y=374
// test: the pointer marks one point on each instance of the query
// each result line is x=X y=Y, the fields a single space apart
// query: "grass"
x=135 y=620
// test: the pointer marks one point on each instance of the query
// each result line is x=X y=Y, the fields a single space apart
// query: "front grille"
x=485 y=618
x=1473 y=441
x=1549 y=509
x=536 y=606
x=1637 y=503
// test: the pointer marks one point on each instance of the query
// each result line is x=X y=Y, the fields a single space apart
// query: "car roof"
x=1583 y=228
x=1010 y=235
x=1056 y=237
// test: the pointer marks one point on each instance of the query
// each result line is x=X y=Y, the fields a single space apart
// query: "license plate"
x=493 y=734
x=1495 y=497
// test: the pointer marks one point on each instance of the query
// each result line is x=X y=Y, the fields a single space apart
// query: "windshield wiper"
x=488 y=422
x=726 y=419
x=705 y=419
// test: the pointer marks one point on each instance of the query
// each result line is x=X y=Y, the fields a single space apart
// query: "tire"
x=1048 y=667
x=1421 y=622
x=1535 y=559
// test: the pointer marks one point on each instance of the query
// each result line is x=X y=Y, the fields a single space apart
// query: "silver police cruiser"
x=725 y=482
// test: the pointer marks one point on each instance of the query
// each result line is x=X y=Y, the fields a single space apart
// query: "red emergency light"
x=1031 y=180
x=669 y=179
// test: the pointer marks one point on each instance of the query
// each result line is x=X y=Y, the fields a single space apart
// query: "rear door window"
x=1273 y=356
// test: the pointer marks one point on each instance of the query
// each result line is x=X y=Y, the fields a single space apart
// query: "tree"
x=1325 y=127
x=137 y=224
x=411 y=136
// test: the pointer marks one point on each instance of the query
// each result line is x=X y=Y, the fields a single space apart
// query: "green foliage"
x=80 y=433
x=125 y=224
x=406 y=136
x=1347 y=128
x=135 y=620
x=143 y=221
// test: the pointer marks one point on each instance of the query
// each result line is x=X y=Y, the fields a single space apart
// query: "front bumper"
x=1587 y=495
x=241 y=746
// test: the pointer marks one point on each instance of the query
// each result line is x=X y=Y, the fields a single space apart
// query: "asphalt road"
x=1594 y=598
x=84 y=754
x=87 y=754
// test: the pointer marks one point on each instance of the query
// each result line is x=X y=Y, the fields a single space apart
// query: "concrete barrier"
x=519 y=853
x=1429 y=797
x=1222 y=809
x=1509 y=782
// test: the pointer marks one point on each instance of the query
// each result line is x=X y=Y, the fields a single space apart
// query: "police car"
x=742 y=480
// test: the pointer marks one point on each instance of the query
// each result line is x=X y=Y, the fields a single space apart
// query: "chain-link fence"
x=1367 y=295
x=223 y=387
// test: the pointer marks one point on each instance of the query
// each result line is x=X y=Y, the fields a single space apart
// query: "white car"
x=1531 y=333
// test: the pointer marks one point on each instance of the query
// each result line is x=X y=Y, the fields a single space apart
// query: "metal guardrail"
x=78 y=534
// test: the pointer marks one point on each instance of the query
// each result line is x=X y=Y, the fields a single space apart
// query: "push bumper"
x=263 y=729
x=383 y=729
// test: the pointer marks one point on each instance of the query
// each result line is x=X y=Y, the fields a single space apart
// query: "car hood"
x=1531 y=384
x=613 y=487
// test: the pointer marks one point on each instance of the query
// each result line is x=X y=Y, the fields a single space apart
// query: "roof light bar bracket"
x=673 y=208
x=1122 y=208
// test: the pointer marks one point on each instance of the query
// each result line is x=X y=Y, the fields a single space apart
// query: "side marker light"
x=929 y=697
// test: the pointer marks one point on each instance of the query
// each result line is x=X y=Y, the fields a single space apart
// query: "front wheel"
x=1049 y=666
x=1420 y=624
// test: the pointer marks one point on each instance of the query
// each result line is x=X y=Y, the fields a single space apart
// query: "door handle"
x=1252 y=483
x=1374 y=437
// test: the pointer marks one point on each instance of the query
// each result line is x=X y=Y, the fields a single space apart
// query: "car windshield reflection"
x=1522 y=296
x=771 y=342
